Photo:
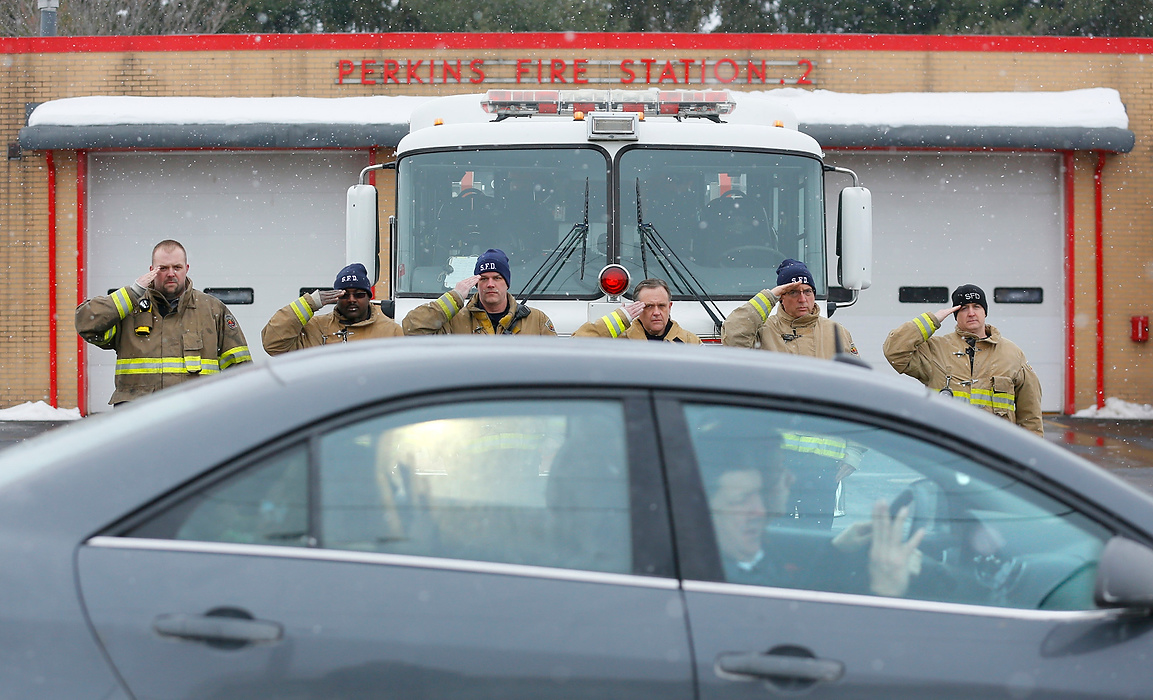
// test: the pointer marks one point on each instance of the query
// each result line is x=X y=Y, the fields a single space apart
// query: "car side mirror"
x=1124 y=575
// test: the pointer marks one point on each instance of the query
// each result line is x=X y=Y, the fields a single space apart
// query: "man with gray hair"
x=651 y=308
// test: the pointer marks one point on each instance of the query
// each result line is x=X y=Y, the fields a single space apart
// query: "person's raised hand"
x=892 y=560
x=465 y=285
x=942 y=314
x=145 y=280
x=633 y=309
x=783 y=289
x=329 y=296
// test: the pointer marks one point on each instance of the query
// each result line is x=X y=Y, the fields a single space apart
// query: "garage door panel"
x=272 y=222
x=942 y=220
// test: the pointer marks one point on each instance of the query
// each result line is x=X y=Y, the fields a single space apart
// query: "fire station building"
x=1022 y=165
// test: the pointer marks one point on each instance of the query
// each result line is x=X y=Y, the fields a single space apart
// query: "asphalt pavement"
x=1124 y=447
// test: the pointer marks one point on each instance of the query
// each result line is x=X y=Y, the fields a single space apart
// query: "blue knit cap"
x=494 y=260
x=353 y=276
x=794 y=271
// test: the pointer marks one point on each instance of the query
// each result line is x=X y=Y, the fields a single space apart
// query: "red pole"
x=53 y=379
x=1099 y=244
x=1070 y=290
x=81 y=277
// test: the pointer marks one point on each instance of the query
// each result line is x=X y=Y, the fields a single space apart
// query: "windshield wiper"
x=547 y=273
x=675 y=269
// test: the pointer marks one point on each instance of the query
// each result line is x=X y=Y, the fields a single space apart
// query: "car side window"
x=804 y=501
x=534 y=482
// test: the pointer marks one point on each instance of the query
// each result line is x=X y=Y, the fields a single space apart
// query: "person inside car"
x=745 y=495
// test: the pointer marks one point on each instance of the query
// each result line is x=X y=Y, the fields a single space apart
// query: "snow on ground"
x=1117 y=408
x=1087 y=108
x=38 y=411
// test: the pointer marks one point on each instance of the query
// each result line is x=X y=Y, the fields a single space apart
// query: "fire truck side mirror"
x=361 y=232
x=855 y=238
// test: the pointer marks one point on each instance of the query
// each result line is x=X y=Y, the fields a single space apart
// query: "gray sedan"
x=524 y=518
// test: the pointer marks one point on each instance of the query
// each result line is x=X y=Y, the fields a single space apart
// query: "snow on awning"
x=1089 y=119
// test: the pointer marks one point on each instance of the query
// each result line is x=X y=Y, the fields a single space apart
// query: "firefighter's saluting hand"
x=326 y=297
x=145 y=280
x=945 y=313
x=463 y=287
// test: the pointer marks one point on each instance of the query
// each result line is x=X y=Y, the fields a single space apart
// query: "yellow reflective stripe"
x=813 y=444
x=448 y=303
x=985 y=397
x=123 y=301
x=162 y=365
x=235 y=356
x=302 y=310
x=108 y=334
x=925 y=325
x=762 y=304
x=615 y=324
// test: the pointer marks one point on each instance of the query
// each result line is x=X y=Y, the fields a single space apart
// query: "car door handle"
x=226 y=631
x=780 y=667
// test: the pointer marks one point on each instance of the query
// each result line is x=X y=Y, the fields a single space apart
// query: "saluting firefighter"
x=297 y=325
x=164 y=332
x=492 y=312
x=654 y=303
x=796 y=328
x=973 y=363
x=820 y=463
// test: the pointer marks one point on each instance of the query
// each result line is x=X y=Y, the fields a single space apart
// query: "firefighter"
x=297 y=326
x=492 y=312
x=164 y=332
x=973 y=363
x=651 y=310
x=797 y=327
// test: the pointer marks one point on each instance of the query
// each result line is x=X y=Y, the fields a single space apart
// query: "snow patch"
x=38 y=411
x=1118 y=408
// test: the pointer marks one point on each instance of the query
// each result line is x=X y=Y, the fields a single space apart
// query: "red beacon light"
x=614 y=280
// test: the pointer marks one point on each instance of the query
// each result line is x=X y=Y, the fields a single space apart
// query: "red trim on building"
x=575 y=42
x=81 y=276
x=1099 y=245
x=53 y=379
x=1070 y=287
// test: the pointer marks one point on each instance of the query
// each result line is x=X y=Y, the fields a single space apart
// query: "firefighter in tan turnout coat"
x=298 y=326
x=973 y=363
x=797 y=328
x=650 y=311
x=164 y=332
x=492 y=312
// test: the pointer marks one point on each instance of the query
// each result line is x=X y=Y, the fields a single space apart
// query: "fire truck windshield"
x=729 y=216
x=453 y=205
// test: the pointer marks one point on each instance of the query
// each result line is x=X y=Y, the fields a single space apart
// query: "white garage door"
x=942 y=220
x=272 y=222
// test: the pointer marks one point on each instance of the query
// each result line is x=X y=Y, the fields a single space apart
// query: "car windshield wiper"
x=675 y=269
x=547 y=273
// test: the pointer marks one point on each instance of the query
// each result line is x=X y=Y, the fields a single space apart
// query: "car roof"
x=181 y=432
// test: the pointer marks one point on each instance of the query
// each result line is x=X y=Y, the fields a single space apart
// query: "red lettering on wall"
x=703 y=71
x=687 y=63
x=578 y=70
x=804 y=79
x=668 y=72
x=752 y=70
x=366 y=70
x=448 y=70
x=520 y=69
x=431 y=71
x=556 y=71
x=412 y=68
x=736 y=71
x=478 y=74
x=648 y=68
x=343 y=70
x=539 y=79
x=390 y=69
x=627 y=69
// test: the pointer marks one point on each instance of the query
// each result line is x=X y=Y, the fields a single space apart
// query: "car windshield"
x=730 y=216
x=454 y=205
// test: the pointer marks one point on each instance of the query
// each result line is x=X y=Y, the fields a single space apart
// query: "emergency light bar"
x=692 y=103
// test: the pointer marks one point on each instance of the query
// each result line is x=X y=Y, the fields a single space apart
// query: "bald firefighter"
x=650 y=311
x=164 y=332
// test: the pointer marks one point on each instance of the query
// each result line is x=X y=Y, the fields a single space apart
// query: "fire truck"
x=590 y=191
